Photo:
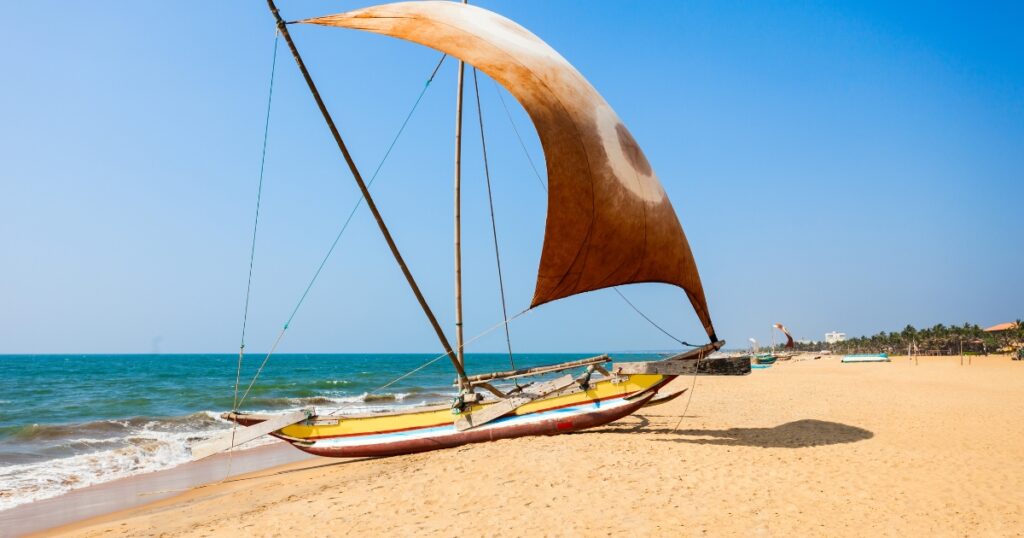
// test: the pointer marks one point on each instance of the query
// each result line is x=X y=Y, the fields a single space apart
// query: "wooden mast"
x=459 y=351
x=283 y=28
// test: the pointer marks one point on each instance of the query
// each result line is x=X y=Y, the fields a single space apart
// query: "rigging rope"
x=544 y=186
x=344 y=226
x=520 y=138
x=256 y=222
x=651 y=321
x=494 y=224
x=443 y=355
x=689 y=397
x=369 y=183
x=252 y=252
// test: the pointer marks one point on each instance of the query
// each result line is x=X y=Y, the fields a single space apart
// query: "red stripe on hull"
x=551 y=426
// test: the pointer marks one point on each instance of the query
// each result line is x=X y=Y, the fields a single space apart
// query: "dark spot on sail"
x=632 y=150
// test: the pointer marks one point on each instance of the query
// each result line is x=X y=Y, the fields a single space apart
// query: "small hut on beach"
x=1002 y=327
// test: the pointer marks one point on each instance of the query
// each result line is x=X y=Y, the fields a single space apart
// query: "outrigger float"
x=609 y=223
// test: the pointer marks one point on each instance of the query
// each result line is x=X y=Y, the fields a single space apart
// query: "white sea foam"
x=137 y=446
x=141 y=450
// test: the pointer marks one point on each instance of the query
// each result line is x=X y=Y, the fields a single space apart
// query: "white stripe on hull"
x=449 y=429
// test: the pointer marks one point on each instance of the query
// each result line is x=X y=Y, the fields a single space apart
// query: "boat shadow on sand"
x=797 y=434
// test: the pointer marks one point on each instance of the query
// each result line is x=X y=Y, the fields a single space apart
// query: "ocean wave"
x=284 y=402
x=102 y=451
x=330 y=399
x=358 y=404
x=333 y=383
x=40 y=461
x=115 y=427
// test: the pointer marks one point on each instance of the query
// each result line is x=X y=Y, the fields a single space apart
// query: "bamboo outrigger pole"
x=283 y=28
x=458 y=214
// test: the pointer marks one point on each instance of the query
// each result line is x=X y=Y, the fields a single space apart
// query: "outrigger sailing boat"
x=609 y=222
x=771 y=357
x=789 y=352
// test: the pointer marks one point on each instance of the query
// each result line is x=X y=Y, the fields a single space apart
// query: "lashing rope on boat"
x=337 y=238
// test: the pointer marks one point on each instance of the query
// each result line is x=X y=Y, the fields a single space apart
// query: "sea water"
x=70 y=421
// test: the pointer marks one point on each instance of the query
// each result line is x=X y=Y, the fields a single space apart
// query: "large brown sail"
x=789 y=337
x=609 y=221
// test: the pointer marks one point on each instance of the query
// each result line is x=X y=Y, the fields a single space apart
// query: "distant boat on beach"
x=773 y=355
x=867 y=357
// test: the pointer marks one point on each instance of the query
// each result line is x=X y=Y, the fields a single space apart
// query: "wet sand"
x=808 y=448
x=117 y=495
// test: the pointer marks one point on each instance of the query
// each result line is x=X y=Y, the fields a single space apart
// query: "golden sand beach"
x=805 y=448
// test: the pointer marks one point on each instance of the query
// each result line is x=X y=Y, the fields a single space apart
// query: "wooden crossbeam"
x=538 y=370
x=697 y=353
x=239 y=435
x=691 y=355
x=507 y=405
x=718 y=366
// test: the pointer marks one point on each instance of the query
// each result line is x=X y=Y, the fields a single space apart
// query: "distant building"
x=833 y=337
x=1001 y=327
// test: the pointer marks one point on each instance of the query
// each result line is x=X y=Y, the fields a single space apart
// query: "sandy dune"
x=806 y=448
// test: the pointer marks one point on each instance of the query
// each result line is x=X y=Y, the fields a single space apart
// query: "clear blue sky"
x=837 y=166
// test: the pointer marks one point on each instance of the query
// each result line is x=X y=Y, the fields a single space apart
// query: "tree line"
x=937 y=340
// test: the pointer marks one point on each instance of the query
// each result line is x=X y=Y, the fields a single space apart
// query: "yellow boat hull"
x=434 y=428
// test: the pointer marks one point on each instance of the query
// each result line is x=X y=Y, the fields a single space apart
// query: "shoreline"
x=811 y=447
x=102 y=500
